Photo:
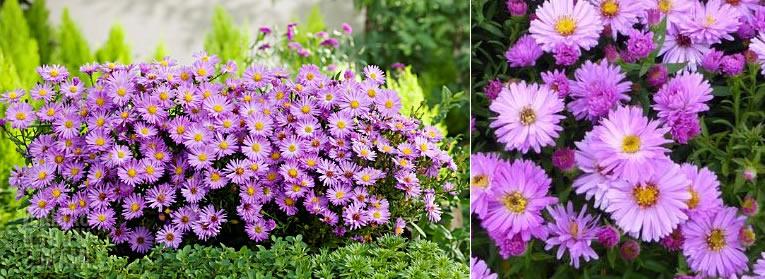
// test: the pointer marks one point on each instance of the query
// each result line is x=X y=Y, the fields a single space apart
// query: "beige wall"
x=182 y=24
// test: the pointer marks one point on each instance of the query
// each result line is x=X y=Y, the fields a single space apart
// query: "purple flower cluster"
x=622 y=164
x=146 y=152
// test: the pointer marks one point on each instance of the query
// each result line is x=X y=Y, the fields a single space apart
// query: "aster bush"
x=161 y=154
x=617 y=138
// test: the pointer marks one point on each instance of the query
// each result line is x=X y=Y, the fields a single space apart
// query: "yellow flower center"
x=388 y=104
x=218 y=108
x=371 y=93
x=259 y=126
x=134 y=207
x=694 y=201
x=366 y=178
x=257 y=77
x=716 y=240
x=101 y=217
x=609 y=8
x=121 y=91
x=152 y=109
x=515 y=202
x=354 y=104
x=305 y=109
x=631 y=144
x=21 y=116
x=709 y=21
x=292 y=173
x=646 y=195
x=665 y=6
x=528 y=116
x=132 y=172
x=565 y=26
x=480 y=181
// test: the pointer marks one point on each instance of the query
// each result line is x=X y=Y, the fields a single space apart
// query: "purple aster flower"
x=608 y=236
x=160 y=197
x=556 y=80
x=120 y=234
x=710 y=23
x=132 y=206
x=598 y=89
x=42 y=92
x=388 y=103
x=347 y=29
x=354 y=215
x=140 y=240
x=367 y=176
x=572 y=232
x=563 y=159
x=102 y=218
x=680 y=48
x=653 y=205
x=732 y=65
x=170 y=236
x=53 y=73
x=495 y=86
x=712 y=247
x=639 y=44
x=565 y=54
x=628 y=145
x=619 y=15
x=524 y=52
x=40 y=206
x=20 y=115
x=518 y=194
x=562 y=21
x=688 y=92
x=379 y=215
x=432 y=209
x=184 y=218
x=373 y=73
x=757 y=46
x=478 y=268
x=711 y=61
x=258 y=230
x=527 y=117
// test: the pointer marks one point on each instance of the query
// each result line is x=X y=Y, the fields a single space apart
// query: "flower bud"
x=563 y=159
x=630 y=250
x=608 y=236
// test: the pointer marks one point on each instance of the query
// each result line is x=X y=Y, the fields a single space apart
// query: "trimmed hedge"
x=34 y=250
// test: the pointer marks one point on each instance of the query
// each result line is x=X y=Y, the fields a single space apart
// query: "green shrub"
x=115 y=49
x=226 y=40
x=73 y=50
x=37 y=17
x=17 y=45
x=35 y=250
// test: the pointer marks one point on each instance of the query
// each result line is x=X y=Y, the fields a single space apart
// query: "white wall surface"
x=182 y=24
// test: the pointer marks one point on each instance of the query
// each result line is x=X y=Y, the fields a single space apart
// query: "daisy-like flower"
x=527 y=117
x=711 y=245
x=340 y=124
x=628 y=145
x=562 y=21
x=42 y=92
x=652 y=207
x=355 y=216
x=53 y=73
x=388 y=103
x=160 y=197
x=479 y=270
x=20 y=115
x=681 y=48
x=621 y=15
x=367 y=176
x=258 y=230
x=599 y=88
x=518 y=194
x=374 y=74
x=40 y=205
x=704 y=189
x=102 y=218
x=710 y=23
x=132 y=206
x=482 y=169
x=170 y=236
x=759 y=267
x=140 y=240
x=573 y=233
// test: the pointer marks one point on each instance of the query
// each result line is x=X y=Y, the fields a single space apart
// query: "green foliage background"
x=732 y=138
